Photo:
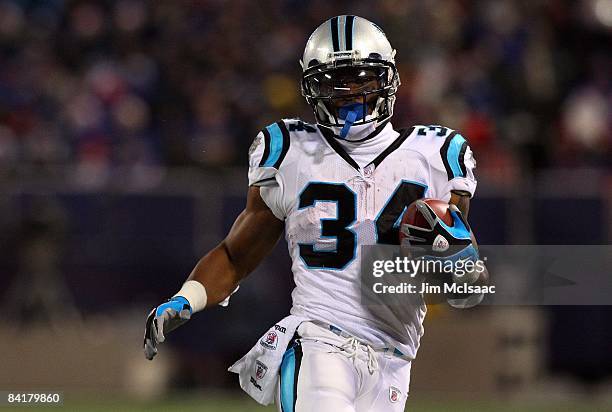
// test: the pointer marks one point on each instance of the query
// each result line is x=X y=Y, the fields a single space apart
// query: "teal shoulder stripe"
x=453 y=155
x=278 y=146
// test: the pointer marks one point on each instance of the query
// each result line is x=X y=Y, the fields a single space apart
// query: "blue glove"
x=163 y=319
x=443 y=242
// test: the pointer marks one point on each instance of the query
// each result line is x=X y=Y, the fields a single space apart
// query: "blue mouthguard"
x=350 y=114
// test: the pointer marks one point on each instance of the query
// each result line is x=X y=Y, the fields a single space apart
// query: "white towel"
x=258 y=369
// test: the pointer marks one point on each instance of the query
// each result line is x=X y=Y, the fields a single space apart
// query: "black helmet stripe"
x=348 y=32
x=342 y=32
x=334 y=33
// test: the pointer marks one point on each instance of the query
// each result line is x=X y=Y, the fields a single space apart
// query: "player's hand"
x=163 y=319
x=455 y=242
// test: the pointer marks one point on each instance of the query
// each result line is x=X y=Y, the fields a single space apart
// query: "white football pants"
x=325 y=372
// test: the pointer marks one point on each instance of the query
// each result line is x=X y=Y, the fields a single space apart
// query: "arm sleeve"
x=266 y=177
x=259 y=173
x=453 y=167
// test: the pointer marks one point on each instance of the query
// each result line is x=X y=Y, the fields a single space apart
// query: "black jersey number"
x=387 y=222
x=345 y=238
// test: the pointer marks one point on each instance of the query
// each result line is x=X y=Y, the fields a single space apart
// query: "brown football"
x=413 y=215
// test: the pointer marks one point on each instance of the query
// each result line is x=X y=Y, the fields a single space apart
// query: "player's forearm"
x=218 y=273
x=461 y=199
x=251 y=238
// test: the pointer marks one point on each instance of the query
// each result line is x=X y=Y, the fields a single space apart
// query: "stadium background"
x=124 y=131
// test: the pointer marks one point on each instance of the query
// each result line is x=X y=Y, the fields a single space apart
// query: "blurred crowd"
x=128 y=88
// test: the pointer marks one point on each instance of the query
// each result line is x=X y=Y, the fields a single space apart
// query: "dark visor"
x=346 y=81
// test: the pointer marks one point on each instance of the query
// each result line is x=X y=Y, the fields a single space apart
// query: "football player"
x=331 y=187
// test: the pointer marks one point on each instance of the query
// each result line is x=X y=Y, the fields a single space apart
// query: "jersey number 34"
x=387 y=221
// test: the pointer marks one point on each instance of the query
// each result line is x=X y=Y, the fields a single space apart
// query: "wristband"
x=195 y=293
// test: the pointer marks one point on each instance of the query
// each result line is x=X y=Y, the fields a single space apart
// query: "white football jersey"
x=332 y=204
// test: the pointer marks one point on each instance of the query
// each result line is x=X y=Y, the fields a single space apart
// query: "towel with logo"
x=258 y=369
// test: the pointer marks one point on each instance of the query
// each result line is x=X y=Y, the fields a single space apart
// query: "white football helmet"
x=349 y=75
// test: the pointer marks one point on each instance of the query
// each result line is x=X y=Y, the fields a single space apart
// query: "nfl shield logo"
x=270 y=340
x=261 y=370
x=394 y=394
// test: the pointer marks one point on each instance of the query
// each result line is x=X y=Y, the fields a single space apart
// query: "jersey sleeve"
x=259 y=174
x=266 y=154
x=453 y=167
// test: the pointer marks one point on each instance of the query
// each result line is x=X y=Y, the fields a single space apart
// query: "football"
x=415 y=216
x=420 y=216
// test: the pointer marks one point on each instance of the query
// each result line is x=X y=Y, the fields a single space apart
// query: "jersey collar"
x=329 y=136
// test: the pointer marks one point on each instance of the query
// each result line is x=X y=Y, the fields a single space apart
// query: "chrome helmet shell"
x=337 y=54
